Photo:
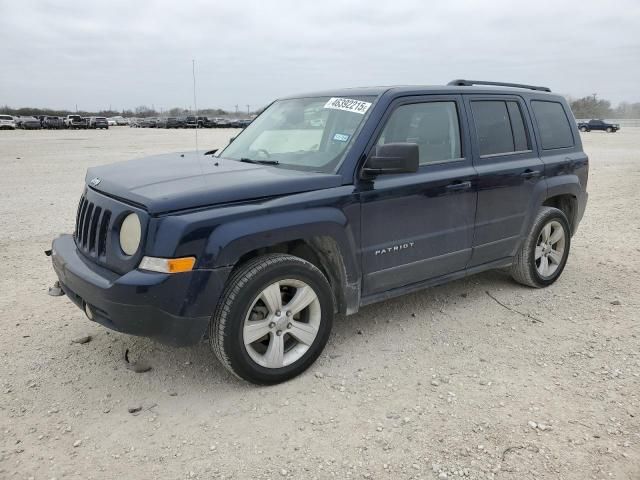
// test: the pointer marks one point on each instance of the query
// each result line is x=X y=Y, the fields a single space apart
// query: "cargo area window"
x=434 y=126
x=500 y=127
x=555 y=131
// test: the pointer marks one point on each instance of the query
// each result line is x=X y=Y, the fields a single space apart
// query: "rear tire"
x=273 y=319
x=584 y=129
x=544 y=252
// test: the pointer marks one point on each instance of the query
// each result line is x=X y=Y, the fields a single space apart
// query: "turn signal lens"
x=167 y=265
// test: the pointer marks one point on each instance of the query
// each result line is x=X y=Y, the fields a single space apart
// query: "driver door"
x=419 y=226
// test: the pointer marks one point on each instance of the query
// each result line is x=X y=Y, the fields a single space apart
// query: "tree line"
x=593 y=107
x=586 y=107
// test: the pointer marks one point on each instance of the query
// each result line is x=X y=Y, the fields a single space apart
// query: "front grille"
x=92 y=228
x=97 y=231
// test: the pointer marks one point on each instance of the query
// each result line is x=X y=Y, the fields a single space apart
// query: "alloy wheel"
x=282 y=323
x=550 y=249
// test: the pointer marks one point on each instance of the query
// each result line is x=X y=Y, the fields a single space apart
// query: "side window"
x=555 y=131
x=520 y=139
x=434 y=126
x=500 y=127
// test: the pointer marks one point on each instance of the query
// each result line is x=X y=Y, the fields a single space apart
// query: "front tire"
x=273 y=319
x=543 y=253
x=609 y=130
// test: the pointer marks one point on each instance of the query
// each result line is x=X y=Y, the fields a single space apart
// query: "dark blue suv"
x=326 y=202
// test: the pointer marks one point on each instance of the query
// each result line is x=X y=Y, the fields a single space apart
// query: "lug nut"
x=288 y=314
x=279 y=332
x=278 y=313
x=272 y=324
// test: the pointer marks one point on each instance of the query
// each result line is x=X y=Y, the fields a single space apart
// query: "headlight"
x=130 y=234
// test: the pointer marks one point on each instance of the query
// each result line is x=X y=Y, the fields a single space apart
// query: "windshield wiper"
x=259 y=162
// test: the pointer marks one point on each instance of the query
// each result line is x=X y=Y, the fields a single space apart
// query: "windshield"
x=302 y=133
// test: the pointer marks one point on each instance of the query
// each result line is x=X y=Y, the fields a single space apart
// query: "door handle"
x=530 y=173
x=458 y=186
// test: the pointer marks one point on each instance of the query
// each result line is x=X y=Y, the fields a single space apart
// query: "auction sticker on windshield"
x=348 y=105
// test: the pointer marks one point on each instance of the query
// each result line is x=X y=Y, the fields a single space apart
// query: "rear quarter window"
x=553 y=124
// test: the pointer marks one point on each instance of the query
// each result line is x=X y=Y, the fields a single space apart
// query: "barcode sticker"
x=348 y=105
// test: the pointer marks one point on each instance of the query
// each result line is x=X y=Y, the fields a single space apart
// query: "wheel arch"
x=326 y=242
x=567 y=203
x=565 y=192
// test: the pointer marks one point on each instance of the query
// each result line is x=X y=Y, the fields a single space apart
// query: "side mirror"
x=393 y=158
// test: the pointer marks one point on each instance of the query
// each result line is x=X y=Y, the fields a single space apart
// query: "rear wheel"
x=273 y=319
x=583 y=129
x=543 y=254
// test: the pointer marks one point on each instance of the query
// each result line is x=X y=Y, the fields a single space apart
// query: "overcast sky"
x=128 y=53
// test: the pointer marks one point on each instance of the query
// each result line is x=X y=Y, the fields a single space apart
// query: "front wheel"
x=543 y=254
x=273 y=319
x=609 y=130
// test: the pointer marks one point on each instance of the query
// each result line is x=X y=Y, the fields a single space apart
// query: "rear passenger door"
x=510 y=174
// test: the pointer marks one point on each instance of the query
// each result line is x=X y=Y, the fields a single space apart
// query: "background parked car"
x=111 y=122
x=169 y=122
x=119 y=120
x=7 y=122
x=150 y=122
x=52 y=122
x=98 y=122
x=188 y=122
x=240 y=122
x=75 y=122
x=205 y=122
x=220 y=122
x=30 y=123
x=598 y=124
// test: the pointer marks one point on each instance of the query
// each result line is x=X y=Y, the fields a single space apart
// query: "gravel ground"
x=459 y=381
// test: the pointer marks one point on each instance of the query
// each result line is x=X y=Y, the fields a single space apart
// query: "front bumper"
x=171 y=308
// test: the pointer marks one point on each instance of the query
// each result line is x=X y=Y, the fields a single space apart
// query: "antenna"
x=195 y=104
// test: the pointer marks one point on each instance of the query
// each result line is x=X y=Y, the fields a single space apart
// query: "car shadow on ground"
x=195 y=367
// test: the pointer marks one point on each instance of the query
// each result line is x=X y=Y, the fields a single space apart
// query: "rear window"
x=500 y=127
x=555 y=130
x=6 y=117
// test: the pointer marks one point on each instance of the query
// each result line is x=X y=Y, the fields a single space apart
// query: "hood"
x=180 y=181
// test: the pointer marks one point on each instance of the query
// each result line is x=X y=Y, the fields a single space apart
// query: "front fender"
x=229 y=241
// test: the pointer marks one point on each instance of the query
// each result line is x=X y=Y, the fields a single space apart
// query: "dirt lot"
x=445 y=383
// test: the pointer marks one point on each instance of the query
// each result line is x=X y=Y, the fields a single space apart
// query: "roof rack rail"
x=469 y=83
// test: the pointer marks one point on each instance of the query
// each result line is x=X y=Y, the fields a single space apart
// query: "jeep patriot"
x=326 y=202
